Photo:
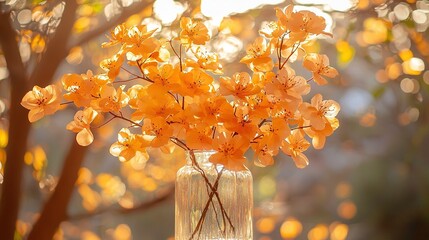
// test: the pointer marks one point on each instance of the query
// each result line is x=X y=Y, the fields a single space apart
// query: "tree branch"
x=104 y=27
x=18 y=129
x=55 y=209
x=56 y=50
x=165 y=195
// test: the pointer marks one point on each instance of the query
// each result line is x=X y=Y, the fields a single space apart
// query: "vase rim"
x=201 y=156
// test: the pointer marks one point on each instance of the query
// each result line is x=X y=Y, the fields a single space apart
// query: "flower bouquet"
x=177 y=94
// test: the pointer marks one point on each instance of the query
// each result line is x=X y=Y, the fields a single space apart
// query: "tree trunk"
x=19 y=128
x=55 y=209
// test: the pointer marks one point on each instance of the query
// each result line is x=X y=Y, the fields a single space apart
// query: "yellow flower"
x=82 y=89
x=194 y=82
x=164 y=106
x=199 y=137
x=294 y=145
x=205 y=60
x=303 y=23
x=211 y=109
x=318 y=137
x=193 y=32
x=118 y=35
x=110 y=99
x=165 y=78
x=81 y=125
x=300 y=24
x=275 y=132
x=112 y=65
x=287 y=85
x=258 y=56
x=241 y=123
x=272 y=30
x=263 y=153
x=140 y=45
x=157 y=129
x=284 y=16
x=319 y=111
x=41 y=101
x=130 y=146
x=319 y=66
x=240 y=85
x=320 y=116
x=229 y=151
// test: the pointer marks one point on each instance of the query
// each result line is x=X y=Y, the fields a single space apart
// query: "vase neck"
x=201 y=156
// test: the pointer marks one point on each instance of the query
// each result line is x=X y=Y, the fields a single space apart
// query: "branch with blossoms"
x=186 y=99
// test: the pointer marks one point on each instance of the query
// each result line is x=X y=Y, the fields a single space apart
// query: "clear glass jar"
x=199 y=218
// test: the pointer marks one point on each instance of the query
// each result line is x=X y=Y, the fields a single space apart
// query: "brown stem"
x=65 y=103
x=199 y=226
x=55 y=209
x=19 y=128
x=125 y=119
x=99 y=126
x=127 y=80
x=177 y=54
x=294 y=48
x=131 y=73
x=214 y=191
x=144 y=77
x=301 y=127
x=279 y=51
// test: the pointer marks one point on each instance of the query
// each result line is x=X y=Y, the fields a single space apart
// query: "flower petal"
x=84 y=137
x=301 y=161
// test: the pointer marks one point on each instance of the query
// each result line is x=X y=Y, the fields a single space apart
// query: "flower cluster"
x=181 y=96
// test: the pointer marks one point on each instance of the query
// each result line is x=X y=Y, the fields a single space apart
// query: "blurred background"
x=371 y=181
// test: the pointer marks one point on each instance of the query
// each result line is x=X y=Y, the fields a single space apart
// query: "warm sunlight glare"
x=336 y=5
x=167 y=10
x=218 y=9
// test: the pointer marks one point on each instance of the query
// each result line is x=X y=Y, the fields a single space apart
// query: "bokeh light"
x=339 y=231
x=347 y=210
x=265 y=225
x=318 y=232
x=168 y=10
x=290 y=228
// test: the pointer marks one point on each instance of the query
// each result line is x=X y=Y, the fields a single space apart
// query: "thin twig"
x=126 y=119
x=106 y=122
x=280 y=51
x=175 y=53
x=65 y=103
x=204 y=212
x=128 y=71
x=294 y=48
x=301 y=127
x=128 y=80
x=183 y=103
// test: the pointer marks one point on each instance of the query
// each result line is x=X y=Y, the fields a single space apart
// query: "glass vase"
x=219 y=210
